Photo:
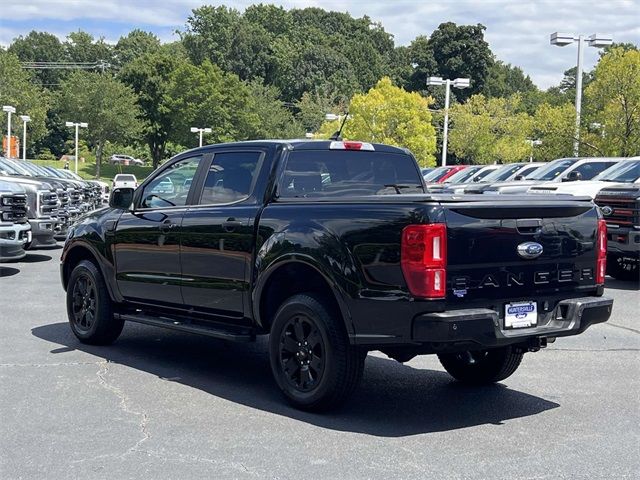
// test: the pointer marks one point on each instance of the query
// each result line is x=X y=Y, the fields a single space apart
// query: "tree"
x=275 y=120
x=391 y=115
x=461 y=51
x=18 y=90
x=490 y=130
x=150 y=77
x=134 y=45
x=41 y=47
x=613 y=100
x=107 y=105
x=205 y=96
x=81 y=47
x=504 y=80
x=554 y=126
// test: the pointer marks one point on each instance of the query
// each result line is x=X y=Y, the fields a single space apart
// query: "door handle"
x=166 y=226
x=230 y=224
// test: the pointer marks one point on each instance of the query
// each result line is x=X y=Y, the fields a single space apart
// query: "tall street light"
x=457 y=83
x=77 y=125
x=201 y=131
x=597 y=40
x=9 y=109
x=25 y=119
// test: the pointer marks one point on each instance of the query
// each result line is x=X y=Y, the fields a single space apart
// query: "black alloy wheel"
x=84 y=303
x=302 y=353
x=89 y=306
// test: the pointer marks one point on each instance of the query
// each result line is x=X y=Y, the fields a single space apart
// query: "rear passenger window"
x=230 y=177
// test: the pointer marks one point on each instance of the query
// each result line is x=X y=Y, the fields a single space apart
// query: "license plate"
x=520 y=315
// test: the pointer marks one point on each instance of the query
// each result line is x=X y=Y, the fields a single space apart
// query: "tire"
x=89 y=306
x=311 y=358
x=621 y=270
x=482 y=367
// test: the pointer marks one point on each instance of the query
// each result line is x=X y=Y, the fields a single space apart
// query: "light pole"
x=457 y=83
x=597 y=40
x=25 y=119
x=201 y=131
x=9 y=109
x=77 y=125
x=532 y=142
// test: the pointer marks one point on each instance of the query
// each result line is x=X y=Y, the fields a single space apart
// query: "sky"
x=517 y=31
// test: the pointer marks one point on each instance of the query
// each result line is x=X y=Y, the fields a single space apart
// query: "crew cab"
x=334 y=249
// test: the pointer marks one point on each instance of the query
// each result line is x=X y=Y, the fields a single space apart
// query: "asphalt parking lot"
x=161 y=404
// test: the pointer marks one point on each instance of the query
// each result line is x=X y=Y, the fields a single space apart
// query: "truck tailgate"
x=494 y=253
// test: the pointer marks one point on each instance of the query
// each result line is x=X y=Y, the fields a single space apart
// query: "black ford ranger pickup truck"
x=335 y=249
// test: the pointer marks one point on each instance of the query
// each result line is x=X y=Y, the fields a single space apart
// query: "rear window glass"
x=329 y=173
x=126 y=178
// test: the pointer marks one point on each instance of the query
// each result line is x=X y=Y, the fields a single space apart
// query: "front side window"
x=171 y=187
x=230 y=177
x=591 y=169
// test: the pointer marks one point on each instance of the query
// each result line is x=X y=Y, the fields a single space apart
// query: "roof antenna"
x=336 y=136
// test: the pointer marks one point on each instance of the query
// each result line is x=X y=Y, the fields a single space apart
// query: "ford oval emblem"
x=606 y=210
x=530 y=250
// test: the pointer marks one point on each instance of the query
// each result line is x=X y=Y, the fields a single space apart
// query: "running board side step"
x=221 y=332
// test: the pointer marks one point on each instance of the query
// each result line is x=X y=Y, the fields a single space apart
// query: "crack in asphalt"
x=623 y=328
x=124 y=406
x=594 y=350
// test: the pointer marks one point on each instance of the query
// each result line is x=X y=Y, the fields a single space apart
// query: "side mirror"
x=519 y=177
x=121 y=198
x=573 y=176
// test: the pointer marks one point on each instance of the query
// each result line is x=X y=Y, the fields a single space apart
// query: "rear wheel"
x=89 y=306
x=312 y=360
x=481 y=367
x=623 y=269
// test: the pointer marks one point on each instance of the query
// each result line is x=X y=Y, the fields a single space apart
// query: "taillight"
x=424 y=259
x=601 y=251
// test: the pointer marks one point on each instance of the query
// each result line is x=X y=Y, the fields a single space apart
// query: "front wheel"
x=89 y=306
x=623 y=269
x=481 y=367
x=312 y=360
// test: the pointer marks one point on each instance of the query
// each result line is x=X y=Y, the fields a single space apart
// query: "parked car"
x=620 y=206
x=440 y=174
x=504 y=173
x=125 y=160
x=259 y=244
x=462 y=178
x=560 y=170
x=625 y=171
x=124 y=180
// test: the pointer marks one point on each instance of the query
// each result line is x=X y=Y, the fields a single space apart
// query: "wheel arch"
x=300 y=274
x=77 y=253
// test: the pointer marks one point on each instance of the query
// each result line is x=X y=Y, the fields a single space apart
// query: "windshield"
x=125 y=178
x=552 y=169
x=15 y=169
x=463 y=175
x=323 y=173
x=502 y=173
x=625 y=172
x=54 y=172
x=436 y=174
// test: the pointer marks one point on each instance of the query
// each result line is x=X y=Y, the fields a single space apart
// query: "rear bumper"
x=483 y=327
x=623 y=242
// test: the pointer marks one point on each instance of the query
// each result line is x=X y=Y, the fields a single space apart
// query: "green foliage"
x=391 y=115
x=614 y=101
x=45 y=154
x=40 y=47
x=554 y=126
x=275 y=120
x=205 y=96
x=107 y=105
x=16 y=89
x=461 y=51
x=134 y=45
x=82 y=47
x=488 y=130
x=150 y=77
